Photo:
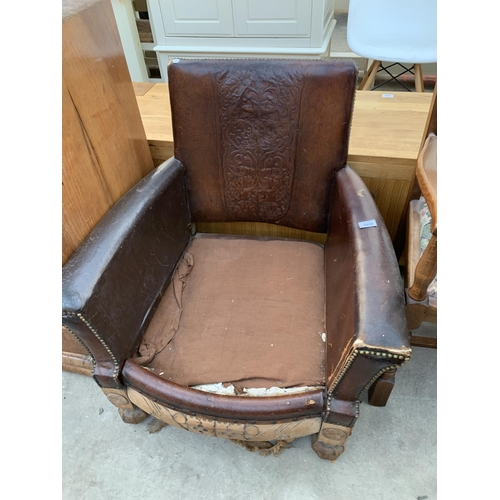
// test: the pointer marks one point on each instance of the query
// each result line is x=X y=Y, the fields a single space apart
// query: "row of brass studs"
x=97 y=336
x=108 y=350
x=349 y=362
x=386 y=369
x=86 y=348
x=382 y=354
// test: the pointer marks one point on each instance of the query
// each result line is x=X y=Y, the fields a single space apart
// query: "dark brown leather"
x=261 y=139
x=113 y=282
x=184 y=399
x=364 y=288
x=343 y=399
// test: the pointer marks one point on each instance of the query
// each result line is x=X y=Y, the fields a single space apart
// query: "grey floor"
x=390 y=455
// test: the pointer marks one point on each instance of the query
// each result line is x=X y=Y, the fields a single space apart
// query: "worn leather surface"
x=364 y=288
x=113 y=282
x=183 y=398
x=261 y=142
x=261 y=139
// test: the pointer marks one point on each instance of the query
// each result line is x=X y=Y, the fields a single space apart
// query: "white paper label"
x=367 y=223
x=388 y=96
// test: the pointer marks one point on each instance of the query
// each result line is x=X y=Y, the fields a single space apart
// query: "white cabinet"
x=196 y=17
x=241 y=28
x=272 y=17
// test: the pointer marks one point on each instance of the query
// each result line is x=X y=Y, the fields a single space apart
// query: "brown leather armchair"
x=273 y=332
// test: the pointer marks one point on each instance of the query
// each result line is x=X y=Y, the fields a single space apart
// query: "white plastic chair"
x=395 y=31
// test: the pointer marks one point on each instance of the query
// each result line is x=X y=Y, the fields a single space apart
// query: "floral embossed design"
x=259 y=122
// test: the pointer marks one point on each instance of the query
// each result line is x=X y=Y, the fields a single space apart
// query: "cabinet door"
x=197 y=17
x=272 y=17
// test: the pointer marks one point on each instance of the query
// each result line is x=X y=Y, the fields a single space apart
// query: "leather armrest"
x=365 y=305
x=113 y=282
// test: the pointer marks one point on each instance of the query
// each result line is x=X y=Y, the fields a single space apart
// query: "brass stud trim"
x=97 y=336
x=86 y=348
x=103 y=343
x=348 y=364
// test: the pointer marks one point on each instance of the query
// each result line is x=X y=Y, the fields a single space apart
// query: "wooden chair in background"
x=420 y=263
x=421 y=249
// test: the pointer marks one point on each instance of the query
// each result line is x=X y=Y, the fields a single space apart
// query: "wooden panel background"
x=104 y=146
x=105 y=150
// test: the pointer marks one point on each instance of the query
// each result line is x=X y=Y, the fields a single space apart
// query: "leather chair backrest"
x=261 y=139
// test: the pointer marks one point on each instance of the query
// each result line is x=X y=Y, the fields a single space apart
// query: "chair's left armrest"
x=114 y=280
x=365 y=307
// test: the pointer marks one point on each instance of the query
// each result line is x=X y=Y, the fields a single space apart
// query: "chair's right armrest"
x=113 y=282
x=366 y=326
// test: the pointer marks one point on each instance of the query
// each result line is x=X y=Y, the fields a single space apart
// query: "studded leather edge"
x=364 y=352
x=84 y=346
x=87 y=323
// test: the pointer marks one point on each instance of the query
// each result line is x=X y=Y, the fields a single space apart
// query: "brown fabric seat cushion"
x=241 y=310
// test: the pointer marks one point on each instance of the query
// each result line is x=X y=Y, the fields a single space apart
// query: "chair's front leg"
x=360 y=371
x=329 y=442
x=381 y=389
x=129 y=412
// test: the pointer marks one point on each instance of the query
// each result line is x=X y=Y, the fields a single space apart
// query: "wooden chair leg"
x=328 y=444
x=129 y=412
x=133 y=416
x=381 y=389
x=414 y=313
x=419 y=79
x=369 y=76
x=421 y=341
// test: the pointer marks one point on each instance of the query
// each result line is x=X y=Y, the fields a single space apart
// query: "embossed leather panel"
x=260 y=129
x=259 y=123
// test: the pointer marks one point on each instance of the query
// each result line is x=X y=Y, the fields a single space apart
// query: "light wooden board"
x=391 y=197
x=383 y=128
x=142 y=88
x=389 y=127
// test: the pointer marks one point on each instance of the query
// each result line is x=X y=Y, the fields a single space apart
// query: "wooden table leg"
x=419 y=79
